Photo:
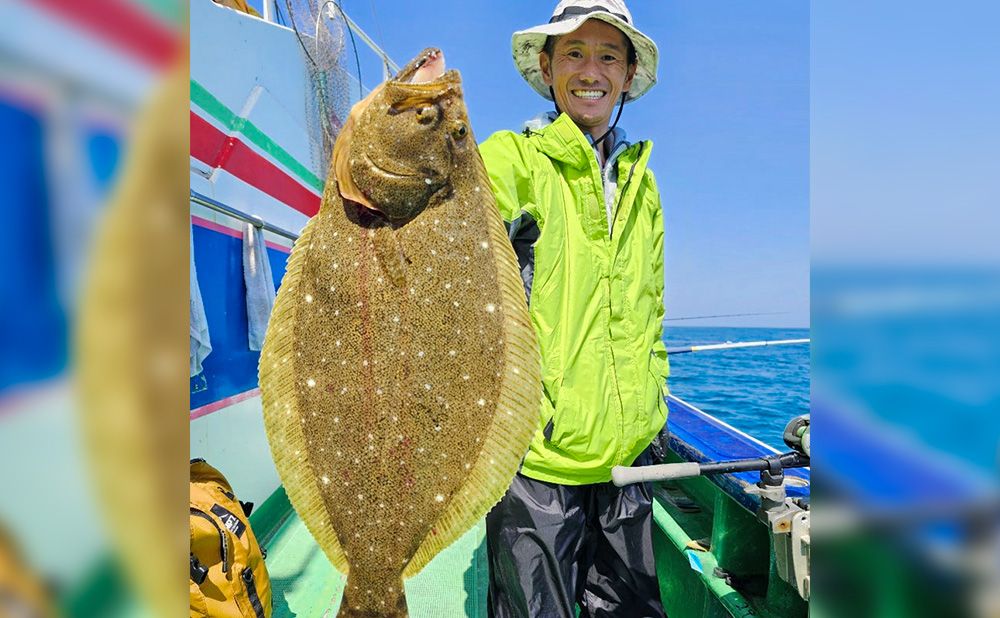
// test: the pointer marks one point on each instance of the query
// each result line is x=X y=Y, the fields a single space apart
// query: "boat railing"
x=235 y=213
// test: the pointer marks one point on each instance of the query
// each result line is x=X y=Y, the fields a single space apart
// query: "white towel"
x=201 y=346
x=259 y=284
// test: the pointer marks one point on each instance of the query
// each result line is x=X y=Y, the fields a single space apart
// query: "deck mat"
x=304 y=584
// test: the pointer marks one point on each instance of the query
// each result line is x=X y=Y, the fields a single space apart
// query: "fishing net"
x=330 y=60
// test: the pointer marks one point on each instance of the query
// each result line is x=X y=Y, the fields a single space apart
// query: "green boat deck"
x=713 y=560
x=304 y=583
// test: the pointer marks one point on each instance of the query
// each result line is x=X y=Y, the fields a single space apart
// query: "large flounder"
x=400 y=372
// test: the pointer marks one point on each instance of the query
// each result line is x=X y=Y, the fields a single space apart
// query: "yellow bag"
x=228 y=576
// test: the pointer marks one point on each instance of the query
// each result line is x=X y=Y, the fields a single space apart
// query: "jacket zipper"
x=614 y=378
x=222 y=537
x=258 y=607
x=614 y=374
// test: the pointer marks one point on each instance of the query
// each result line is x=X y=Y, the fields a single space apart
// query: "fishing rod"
x=724 y=315
x=796 y=436
x=731 y=345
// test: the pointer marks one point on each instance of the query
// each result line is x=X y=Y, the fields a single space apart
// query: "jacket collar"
x=559 y=138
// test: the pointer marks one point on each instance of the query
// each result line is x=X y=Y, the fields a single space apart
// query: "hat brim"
x=527 y=44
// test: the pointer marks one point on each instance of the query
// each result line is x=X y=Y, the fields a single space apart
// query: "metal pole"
x=217 y=206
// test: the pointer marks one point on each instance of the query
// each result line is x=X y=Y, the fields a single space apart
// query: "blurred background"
x=905 y=308
x=92 y=286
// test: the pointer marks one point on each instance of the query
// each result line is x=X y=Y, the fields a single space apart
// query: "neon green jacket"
x=595 y=299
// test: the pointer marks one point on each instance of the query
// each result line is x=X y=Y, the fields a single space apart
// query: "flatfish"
x=400 y=372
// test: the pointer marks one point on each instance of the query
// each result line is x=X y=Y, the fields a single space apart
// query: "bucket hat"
x=567 y=17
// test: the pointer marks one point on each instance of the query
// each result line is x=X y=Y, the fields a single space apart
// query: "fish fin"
x=341 y=166
x=516 y=417
x=281 y=407
x=390 y=255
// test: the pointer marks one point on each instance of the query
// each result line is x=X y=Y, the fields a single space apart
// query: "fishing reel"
x=796 y=434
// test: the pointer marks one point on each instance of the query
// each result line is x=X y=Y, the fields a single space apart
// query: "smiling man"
x=583 y=214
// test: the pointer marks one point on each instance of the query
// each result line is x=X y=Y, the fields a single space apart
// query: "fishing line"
x=378 y=25
x=354 y=44
x=724 y=315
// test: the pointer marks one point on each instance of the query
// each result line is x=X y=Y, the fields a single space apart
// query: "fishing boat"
x=719 y=550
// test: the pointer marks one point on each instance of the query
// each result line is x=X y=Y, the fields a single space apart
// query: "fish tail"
x=373 y=613
x=358 y=603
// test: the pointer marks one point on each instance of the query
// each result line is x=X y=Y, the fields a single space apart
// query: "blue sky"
x=729 y=120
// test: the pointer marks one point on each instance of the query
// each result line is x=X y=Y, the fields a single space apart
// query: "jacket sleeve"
x=659 y=348
x=509 y=163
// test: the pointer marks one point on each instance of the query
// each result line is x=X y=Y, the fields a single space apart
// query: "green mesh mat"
x=304 y=584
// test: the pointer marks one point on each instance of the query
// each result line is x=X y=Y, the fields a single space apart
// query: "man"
x=583 y=212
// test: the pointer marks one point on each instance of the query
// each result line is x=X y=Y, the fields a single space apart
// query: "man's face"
x=588 y=72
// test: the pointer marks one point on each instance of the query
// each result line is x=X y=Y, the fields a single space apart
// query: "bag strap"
x=198 y=571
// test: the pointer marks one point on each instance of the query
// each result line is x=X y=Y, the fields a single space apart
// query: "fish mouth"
x=407 y=72
x=419 y=72
x=429 y=67
x=411 y=89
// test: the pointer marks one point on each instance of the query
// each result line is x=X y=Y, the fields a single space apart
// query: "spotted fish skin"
x=400 y=373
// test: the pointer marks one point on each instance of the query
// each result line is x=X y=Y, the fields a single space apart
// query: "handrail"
x=254 y=220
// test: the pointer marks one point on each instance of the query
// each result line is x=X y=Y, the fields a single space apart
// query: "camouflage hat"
x=567 y=17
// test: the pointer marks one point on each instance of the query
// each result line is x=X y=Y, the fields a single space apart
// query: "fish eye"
x=427 y=114
x=459 y=131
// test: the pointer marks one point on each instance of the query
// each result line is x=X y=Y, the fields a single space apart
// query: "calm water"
x=757 y=390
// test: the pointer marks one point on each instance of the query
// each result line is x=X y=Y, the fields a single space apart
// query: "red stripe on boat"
x=213 y=147
x=215 y=406
x=123 y=24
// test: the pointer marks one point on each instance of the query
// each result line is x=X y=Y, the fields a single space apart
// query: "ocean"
x=757 y=390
